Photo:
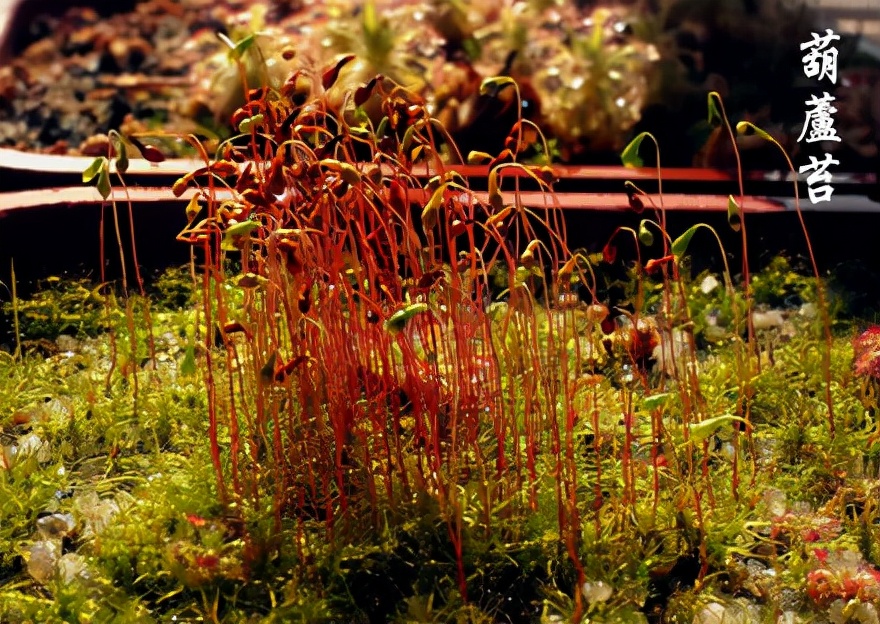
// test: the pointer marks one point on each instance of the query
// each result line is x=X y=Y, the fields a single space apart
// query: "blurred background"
x=592 y=74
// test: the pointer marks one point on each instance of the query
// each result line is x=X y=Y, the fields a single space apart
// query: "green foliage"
x=779 y=285
x=73 y=306
x=99 y=170
x=81 y=308
x=630 y=155
x=171 y=549
x=173 y=289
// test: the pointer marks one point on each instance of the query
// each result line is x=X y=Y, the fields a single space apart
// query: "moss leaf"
x=702 y=430
x=397 y=321
x=94 y=168
x=630 y=154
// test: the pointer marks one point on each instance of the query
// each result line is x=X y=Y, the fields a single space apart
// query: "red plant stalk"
x=213 y=429
x=629 y=493
x=333 y=252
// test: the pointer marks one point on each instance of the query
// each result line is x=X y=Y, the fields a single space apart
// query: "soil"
x=82 y=72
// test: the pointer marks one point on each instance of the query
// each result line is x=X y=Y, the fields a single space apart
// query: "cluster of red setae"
x=866 y=349
x=362 y=365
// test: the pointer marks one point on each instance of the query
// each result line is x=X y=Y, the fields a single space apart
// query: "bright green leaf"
x=188 y=364
x=349 y=173
x=249 y=123
x=243 y=228
x=370 y=17
x=242 y=46
x=478 y=158
x=645 y=235
x=104 y=183
x=650 y=403
x=397 y=321
x=94 y=169
x=497 y=310
x=521 y=275
x=361 y=132
x=702 y=430
x=630 y=155
x=383 y=128
x=715 y=117
x=239 y=229
x=360 y=115
x=680 y=244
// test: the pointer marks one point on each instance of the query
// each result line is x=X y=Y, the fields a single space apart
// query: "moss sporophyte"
x=422 y=405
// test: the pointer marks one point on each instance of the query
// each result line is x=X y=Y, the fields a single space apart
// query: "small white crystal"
x=853 y=612
x=835 y=612
x=55 y=526
x=767 y=320
x=809 y=311
x=42 y=560
x=735 y=612
x=596 y=591
x=672 y=352
x=66 y=342
x=95 y=513
x=776 y=502
x=71 y=566
x=866 y=613
x=709 y=283
x=56 y=409
x=32 y=444
x=712 y=613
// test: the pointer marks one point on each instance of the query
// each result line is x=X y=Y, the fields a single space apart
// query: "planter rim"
x=148 y=183
x=36 y=162
x=617 y=202
x=13 y=160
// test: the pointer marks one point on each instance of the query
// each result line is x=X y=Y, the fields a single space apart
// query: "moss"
x=161 y=542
